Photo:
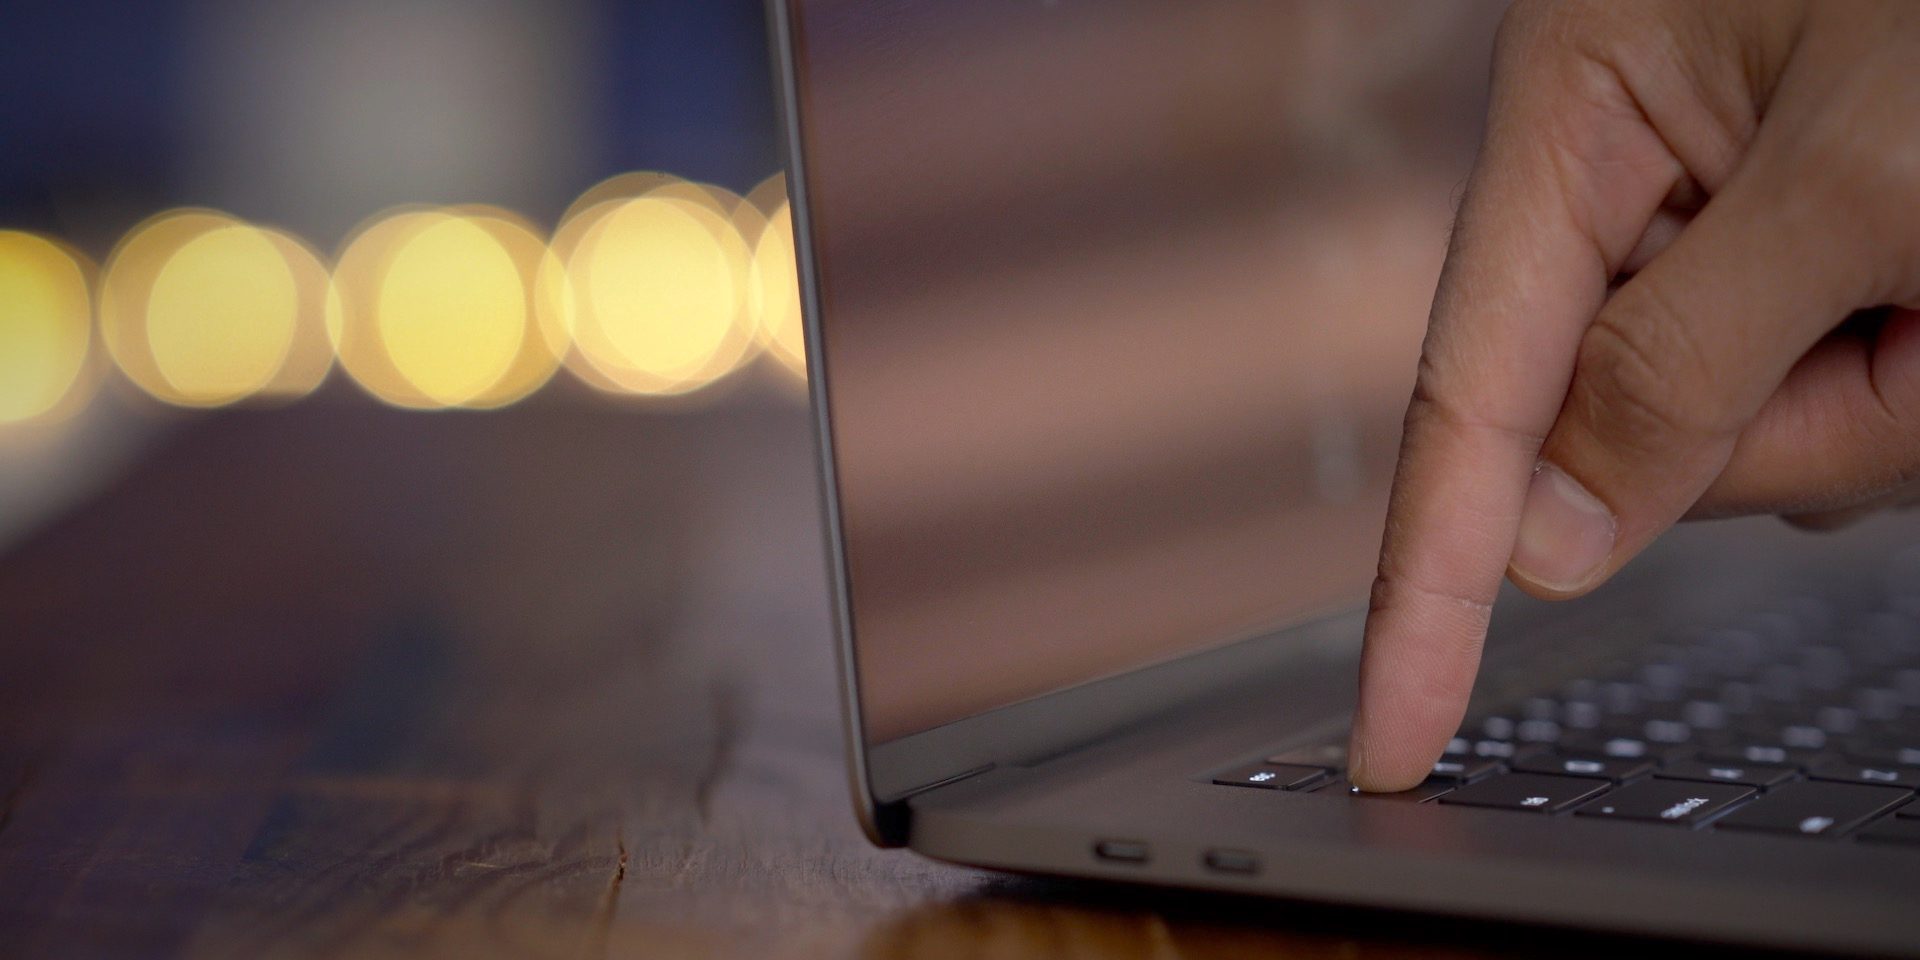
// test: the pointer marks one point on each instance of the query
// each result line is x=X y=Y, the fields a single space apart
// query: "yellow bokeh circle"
x=199 y=309
x=656 y=294
x=443 y=308
x=45 y=324
x=774 y=294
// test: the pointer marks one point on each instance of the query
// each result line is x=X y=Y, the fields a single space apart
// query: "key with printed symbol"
x=1464 y=770
x=1271 y=776
x=1615 y=770
x=1856 y=773
x=1536 y=792
x=1425 y=791
x=1678 y=802
x=1813 y=808
x=1327 y=756
x=1747 y=775
x=1763 y=754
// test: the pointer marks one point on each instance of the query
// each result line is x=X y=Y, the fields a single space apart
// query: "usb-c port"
x=1232 y=861
x=1121 y=851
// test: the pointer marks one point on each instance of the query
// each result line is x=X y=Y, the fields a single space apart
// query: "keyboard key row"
x=1803 y=808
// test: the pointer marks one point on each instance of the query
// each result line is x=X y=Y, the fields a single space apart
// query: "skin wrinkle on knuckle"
x=1692 y=81
x=1626 y=393
x=1429 y=408
x=1391 y=586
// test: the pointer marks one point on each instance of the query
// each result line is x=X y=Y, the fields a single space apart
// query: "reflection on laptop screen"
x=1121 y=304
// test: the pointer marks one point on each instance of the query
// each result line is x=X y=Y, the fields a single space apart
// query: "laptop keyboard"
x=1798 y=724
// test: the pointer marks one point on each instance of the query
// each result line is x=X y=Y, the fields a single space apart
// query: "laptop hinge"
x=942 y=782
x=891 y=818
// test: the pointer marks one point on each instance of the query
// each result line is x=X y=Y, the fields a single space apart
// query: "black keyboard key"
x=1768 y=754
x=1738 y=696
x=1741 y=774
x=1879 y=754
x=1680 y=802
x=1271 y=776
x=1837 y=720
x=1427 y=790
x=1803 y=737
x=1814 y=809
x=1844 y=772
x=1465 y=770
x=1580 y=715
x=1879 y=704
x=1328 y=756
x=1535 y=792
x=1704 y=715
x=1619 y=698
x=1905 y=832
x=1612 y=747
x=1540 y=708
x=1615 y=770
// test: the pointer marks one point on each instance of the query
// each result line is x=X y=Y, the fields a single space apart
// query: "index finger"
x=1570 y=175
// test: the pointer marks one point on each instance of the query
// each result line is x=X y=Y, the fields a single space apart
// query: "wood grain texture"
x=337 y=680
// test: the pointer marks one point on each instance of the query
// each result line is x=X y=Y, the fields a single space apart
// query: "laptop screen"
x=1120 y=307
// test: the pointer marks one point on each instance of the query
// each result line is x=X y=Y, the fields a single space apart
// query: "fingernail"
x=1566 y=533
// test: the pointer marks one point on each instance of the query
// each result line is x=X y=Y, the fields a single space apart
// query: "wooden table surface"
x=555 y=681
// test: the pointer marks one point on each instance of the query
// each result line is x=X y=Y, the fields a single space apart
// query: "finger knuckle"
x=1645 y=383
x=1432 y=406
x=1455 y=613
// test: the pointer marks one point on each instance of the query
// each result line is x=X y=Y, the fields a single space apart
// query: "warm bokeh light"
x=774 y=293
x=544 y=336
x=657 y=290
x=437 y=308
x=45 y=319
x=652 y=285
x=200 y=309
x=310 y=353
x=451 y=310
x=221 y=315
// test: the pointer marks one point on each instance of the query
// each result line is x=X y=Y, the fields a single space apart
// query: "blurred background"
x=435 y=206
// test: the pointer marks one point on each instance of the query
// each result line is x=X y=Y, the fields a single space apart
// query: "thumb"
x=1671 y=370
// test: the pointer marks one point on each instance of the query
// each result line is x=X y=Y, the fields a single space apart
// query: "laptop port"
x=1232 y=861
x=1121 y=851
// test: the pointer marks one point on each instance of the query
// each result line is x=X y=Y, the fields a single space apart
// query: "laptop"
x=1113 y=308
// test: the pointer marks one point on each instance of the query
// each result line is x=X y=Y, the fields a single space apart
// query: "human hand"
x=1650 y=311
